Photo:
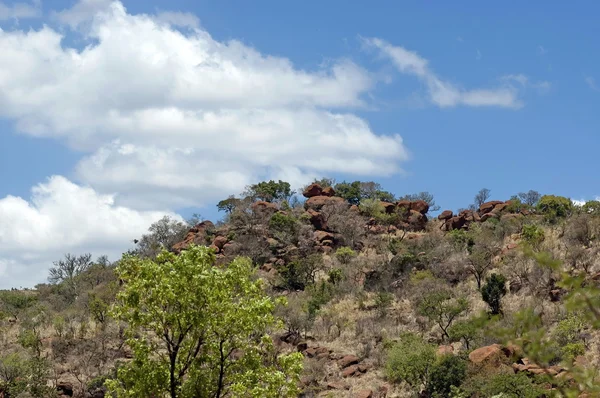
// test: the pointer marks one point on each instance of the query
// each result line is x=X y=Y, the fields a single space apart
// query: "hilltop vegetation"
x=351 y=292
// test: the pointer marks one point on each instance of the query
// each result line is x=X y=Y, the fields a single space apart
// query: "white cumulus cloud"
x=20 y=10
x=62 y=217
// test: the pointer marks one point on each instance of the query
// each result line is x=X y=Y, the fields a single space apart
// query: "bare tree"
x=163 y=234
x=530 y=197
x=482 y=196
x=66 y=271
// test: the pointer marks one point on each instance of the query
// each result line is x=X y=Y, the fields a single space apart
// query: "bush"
x=591 y=207
x=555 y=207
x=506 y=385
x=493 y=291
x=410 y=360
x=383 y=302
x=446 y=372
x=345 y=254
x=533 y=234
x=568 y=337
x=300 y=273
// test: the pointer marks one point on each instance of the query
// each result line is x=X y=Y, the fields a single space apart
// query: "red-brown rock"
x=445 y=215
x=350 y=371
x=364 y=394
x=220 y=241
x=417 y=220
x=313 y=190
x=321 y=236
x=328 y=191
x=489 y=355
x=420 y=205
x=317 y=219
x=317 y=202
x=264 y=207
x=404 y=204
x=388 y=207
x=487 y=216
x=445 y=350
x=196 y=235
x=337 y=385
x=489 y=206
x=348 y=360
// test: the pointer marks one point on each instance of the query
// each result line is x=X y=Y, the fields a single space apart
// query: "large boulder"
x=417 y=220
x=317 y=202
x=456 y=222
x=322 y=236
x=420 y=205
x=445 y=215
x=491 y=355
x=348 y=360
x=489 y=206
x=328 y=191
x=262 y=207
x=219 y=242
x=388 y=207
x=317 y=219
x=313 y=190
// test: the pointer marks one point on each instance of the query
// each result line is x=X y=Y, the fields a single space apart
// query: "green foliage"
x=554 y=207
x=320 y=294
x=14 y=302
x=357 y=191
x=421 y=275
x=98 y=309
x=446 y=372
x=270 y=191
x=22 y=376
x=410 y=360
x=345 y=255
x=300 y=272
x=283 y=226
x=171 y=304
x=533 y=234
x=506 y=385
x=335 y=276
x=567 y=336
x=228 y=205
x=383 y=302
x=461 y=239
x=30 y=339
x=467 y=331
x=493 y=291
x=591 y=207
x=371 y=208
x=442 y=308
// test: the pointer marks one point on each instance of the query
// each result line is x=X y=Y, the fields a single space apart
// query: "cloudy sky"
x=115 y=113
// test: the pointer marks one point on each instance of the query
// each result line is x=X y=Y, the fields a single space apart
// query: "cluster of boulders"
x=493 y=209
x=204 y=234
x=498 y=356
x=349 y=366
x=411 y=214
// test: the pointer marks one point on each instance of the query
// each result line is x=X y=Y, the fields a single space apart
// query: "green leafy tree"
x=467 y=331
x=446 y=372
x=442 y=308
x=228 y=205
x=345 y=255
x=533 y=235
x=493 y=291
x=355 y=192
x=14 y=302
x=591 y=207
x=554 y=207
x=198 y=330
x=270 y=191
x=410 y=360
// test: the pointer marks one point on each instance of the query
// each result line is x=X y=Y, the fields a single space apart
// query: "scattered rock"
x=364 y=394
x=348 y=360
x=220 y=242
x=420 y=205
x=262 y=207
x=350 y=371
x=317 y=202
x=489 y=355
x=445 y=350
x=337 y=385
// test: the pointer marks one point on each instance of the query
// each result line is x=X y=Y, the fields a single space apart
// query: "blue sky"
x=113 y=113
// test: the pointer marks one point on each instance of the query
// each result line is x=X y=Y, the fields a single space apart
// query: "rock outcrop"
x=493 y=209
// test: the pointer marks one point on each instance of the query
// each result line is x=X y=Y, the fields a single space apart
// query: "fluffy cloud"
x=443 y=93
x=19 y=11
x=195 y=118
x=63 y=217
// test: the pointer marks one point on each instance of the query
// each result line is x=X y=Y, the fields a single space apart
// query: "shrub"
x=446 y=372
x=506 y=385
x=345 y=254
x=591 y=207
x=410 y=360
x=461 y=239
x=467 y=331
x=383 y=302
x=568 y=336
x=442 y=308
x=533 y=234
x=300 y=273
x=554 y=207
x=493 y=291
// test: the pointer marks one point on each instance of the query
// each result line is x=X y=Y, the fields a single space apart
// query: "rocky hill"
x=383 y=300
